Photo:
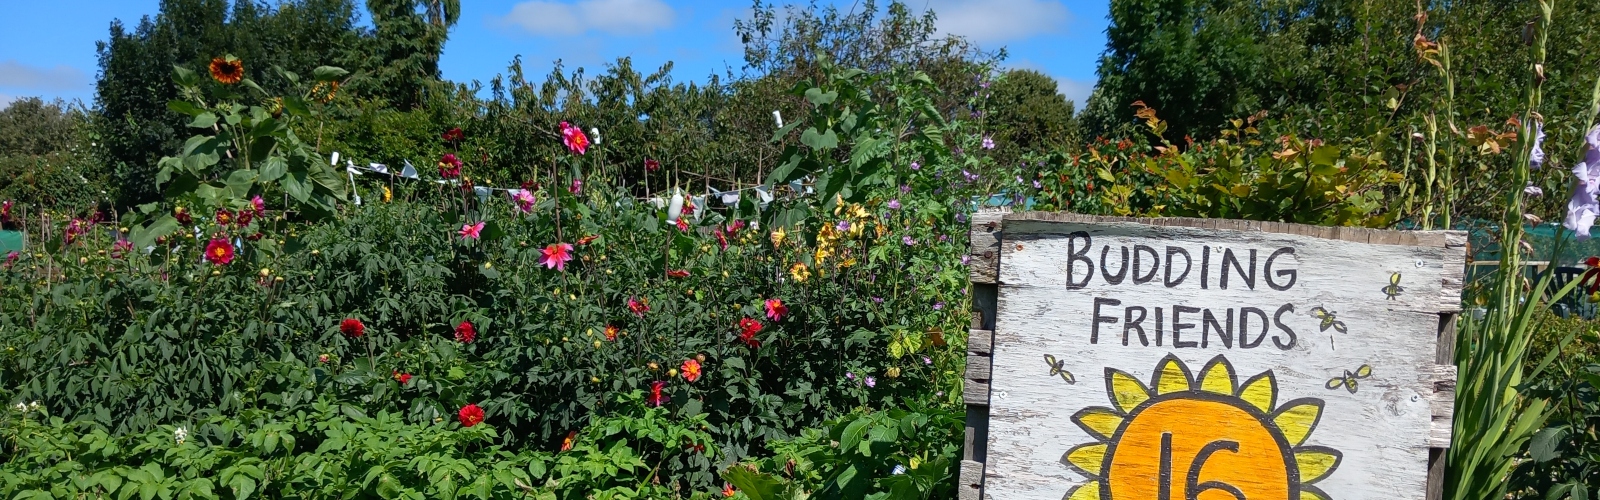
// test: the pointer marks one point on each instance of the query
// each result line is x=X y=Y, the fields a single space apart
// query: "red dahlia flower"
x=471 y=415
x=352 y=327
x=403 y=378
x=656 y=397
x=573 y=137
x=556 y=256
x=611 y=331
x=219 y=251
x=650 y=165
x=224 y=217
x=678 y=273
x=182 y=216
x=747 y=332
x=691 y=369
x=566 y=444
x=638 y=306
x=776 y=310
x=465 y=333
x=453 y=135
x=449 y=166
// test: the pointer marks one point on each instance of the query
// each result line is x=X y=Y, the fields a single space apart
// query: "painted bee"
x=1394 y=288
x=1348 y=381
x=1328 y=320
x=1057 y=367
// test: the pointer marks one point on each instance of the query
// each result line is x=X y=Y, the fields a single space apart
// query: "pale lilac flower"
x=969 y=175
x=1532 y=190
x=850 y=375
x=871 y=382
x=1583 y=206
x=910 y=242
x=988 y=142
x=1537 y=159
x=984 y=84
x=843 y=225
x=894 y=204
x=1037 y=184
x=966 y=259
x=1019 y=179
x=905 y=188
x=916 y=166
x=938 y=306
x=927 y=360
x=944 y=238
x=961 y=217
x=875 y=300
x=956 y=151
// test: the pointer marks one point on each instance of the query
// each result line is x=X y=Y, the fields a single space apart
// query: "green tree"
x=409 y=36
x=31 y=126
x=1192 y=59
x=1027 y=114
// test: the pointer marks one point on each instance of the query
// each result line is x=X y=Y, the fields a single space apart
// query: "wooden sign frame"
x=987 y=236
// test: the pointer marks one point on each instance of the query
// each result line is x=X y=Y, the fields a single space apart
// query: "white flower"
x=898 y=469
x=22 y=407
x=180 y=435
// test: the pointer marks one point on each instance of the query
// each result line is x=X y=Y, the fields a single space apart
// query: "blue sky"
x=40 y=56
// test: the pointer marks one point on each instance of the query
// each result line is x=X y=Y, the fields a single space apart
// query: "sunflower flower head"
x=227 y=70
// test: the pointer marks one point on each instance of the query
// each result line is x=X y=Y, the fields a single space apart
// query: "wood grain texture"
x=971 y=487
x=1383 y=430
x=985 y=241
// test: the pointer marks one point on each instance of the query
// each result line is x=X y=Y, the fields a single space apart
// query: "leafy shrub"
x=895 y=454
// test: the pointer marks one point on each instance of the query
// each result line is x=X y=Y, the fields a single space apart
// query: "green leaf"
x=144 y=236
x=817 y=97
x=272 y=169
x=1546 y=443
x=184 y=107
x=204 y=120
x=851 y=437
x=184 y=77
x=240 y=181
x=817 y=139
x=756 y=485
x=1325 y=155
x=328 y=73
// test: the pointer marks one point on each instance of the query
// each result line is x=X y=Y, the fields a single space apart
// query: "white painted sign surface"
x=1137 y=362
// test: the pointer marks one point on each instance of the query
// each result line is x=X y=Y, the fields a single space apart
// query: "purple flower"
x=1019 y=179
x=927 y=360
x=966 y=259
x=850 y=375
x=988 y=142
x=905 y=188
x=938 y=306
x=871 y=382
x=1537 y=159
x=1583 y=206
x=969 y=175
x=844 y=225
x=894 y=204
x=909 y=242
x=956 y=151
x=877 y=300
x=1532 y=190
x=577 y=186
x=944 y=238
x=1037 y=184
x=961 y=217
x=984 y=84
x=916 y=166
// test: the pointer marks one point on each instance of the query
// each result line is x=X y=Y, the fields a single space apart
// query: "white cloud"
x=615 y=17
x=62 y=77
x=1076 y=91
x=997 y=21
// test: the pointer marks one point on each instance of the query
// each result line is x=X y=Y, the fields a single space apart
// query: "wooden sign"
x=1183 y=359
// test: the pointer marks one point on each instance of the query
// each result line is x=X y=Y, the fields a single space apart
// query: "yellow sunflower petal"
x=1086 y=458
x=1297 y=419
x=1085 y=491
x=1217 y=377
x=1126 y=391
x=1101 y=422
x=1172 y=376
x=1311 y=493
x=1261 y=391
x=1316 y=462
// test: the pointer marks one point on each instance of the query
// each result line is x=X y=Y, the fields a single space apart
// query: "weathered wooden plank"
x=1066 y=307
x=975 y=392
x=980 y=342
x=977 y=368
x=1443 y=426
x=985 y=241
x=971 y=487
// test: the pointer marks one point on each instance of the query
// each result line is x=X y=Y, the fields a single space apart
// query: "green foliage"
x=1026 y=114
x=327 y=450
x=30 y=126
x=244 y=151
x=894 y=454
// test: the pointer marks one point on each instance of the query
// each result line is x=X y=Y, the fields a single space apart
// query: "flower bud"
x=653 y=366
